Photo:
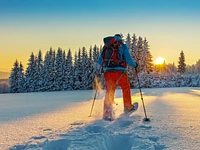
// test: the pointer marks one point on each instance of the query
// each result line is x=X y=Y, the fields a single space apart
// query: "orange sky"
x=169 y=26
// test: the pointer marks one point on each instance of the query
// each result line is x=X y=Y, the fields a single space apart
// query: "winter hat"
x=118 y=35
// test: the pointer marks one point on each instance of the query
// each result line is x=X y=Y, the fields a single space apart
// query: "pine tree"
x=190 y=69
x=14 y=78
x=172 y=68
x=78 y=72
x=91 y=70
x=133 y=47
x=54 y=71
x=68 y=71
x=133 y=52
x=21 y=79
x=59 y=70
x=30 y=74
x=51 y=83
x=84 y=66
x=146 y=62
x=45 y=73
x=181 y=64
x=95 y=56
x=95 y=53
x=39 y=67
x=197 y=66
x=139 y=53
x=128 y=41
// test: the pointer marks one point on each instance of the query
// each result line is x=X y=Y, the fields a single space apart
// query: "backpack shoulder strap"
x=122 y=52
x=103 y=52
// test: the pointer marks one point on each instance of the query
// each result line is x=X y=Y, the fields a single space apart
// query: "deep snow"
x=59 y=120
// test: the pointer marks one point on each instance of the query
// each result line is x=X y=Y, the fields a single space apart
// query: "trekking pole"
x=145 y=119
x=95 y=95
x=93 y=102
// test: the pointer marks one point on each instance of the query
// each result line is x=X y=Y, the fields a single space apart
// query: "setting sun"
x=159 y=60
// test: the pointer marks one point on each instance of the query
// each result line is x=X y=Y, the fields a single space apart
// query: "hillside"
x=4 y=75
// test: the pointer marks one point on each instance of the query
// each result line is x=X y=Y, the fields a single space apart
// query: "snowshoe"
x=130 y=109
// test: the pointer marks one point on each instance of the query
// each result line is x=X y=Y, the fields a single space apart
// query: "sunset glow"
x=159 y=60
x=30 y=25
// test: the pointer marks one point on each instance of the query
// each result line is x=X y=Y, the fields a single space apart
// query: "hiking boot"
x=108 y=113
x=128 y=109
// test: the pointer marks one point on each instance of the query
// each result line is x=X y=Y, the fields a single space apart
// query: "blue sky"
x=29 y=25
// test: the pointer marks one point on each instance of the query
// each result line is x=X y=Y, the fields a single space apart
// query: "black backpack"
x=111 y=53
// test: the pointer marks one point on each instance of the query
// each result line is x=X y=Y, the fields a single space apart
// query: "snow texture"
x=65 y=125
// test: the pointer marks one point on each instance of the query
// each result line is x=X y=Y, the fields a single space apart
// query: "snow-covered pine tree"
x=59 y=70
x=193 y=69
x=45 y=73
x=39 y=66
x=52 y=71
x=63 y=69
x=95 y=53
x=14 y=78
x=30 y=74
x=91 y=69
x=181 y=63
x=133 y=50
x=85 y=68
x=128 y=41
x=101 y=80
x=21 y=79
x=35 y=75
x=68 y=72
x=190 y=69
x=138 y=53
x=146 y=62
x=48 y=71
x=197 y=66
x=78 y=72
x=95 y=56
x=172 y=68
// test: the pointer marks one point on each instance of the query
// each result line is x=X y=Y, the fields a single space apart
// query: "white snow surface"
x=59 y=121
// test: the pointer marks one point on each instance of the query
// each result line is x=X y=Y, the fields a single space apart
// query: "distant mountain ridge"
x=4 y=75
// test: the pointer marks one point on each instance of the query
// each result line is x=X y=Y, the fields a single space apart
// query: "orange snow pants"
x=111 y=81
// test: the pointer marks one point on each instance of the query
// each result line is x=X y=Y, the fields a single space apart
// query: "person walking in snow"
x=114 y=59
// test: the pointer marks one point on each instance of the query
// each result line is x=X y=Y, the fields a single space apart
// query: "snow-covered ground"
x=59 y=120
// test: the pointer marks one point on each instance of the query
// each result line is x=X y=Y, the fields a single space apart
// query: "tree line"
x=60 y=70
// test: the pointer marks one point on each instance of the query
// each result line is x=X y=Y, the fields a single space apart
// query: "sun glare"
x=159 y=60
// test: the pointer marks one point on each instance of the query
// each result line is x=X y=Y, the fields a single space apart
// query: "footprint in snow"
x=154 y=138
x=94 y=129
x=145 y=127
x=125 y=123
x=38 y=137
x=159 y=147
x=47 y=129
x=77 y=123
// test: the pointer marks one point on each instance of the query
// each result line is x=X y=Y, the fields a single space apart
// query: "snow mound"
x=123 y=133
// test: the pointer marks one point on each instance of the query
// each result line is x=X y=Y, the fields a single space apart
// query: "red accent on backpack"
x=112 y=41
x=114 y=56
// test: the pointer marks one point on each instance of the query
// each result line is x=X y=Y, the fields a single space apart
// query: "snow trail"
x=174 y=125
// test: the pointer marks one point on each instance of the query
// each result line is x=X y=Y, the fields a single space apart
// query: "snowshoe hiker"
x=114 y=59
